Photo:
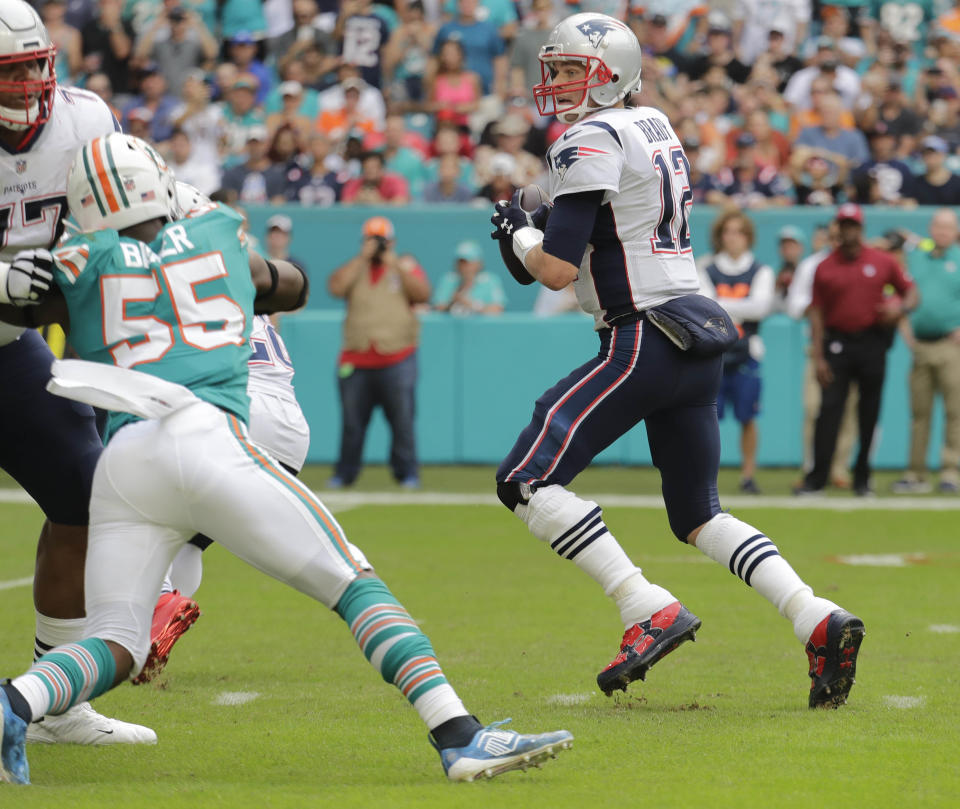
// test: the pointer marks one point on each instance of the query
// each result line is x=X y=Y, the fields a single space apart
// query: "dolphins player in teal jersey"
x=163 y=344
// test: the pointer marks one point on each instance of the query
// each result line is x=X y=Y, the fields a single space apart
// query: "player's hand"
x=507 y=219
x=29 y=277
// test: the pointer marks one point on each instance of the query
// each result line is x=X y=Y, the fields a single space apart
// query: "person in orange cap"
x=378 y=360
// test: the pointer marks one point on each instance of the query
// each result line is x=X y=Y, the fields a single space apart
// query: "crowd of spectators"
x=320 y=102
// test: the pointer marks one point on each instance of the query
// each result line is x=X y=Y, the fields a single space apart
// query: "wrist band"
x=524 y=240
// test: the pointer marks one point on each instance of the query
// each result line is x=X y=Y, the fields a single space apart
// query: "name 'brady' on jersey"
x=639 y=253
x=33 y=181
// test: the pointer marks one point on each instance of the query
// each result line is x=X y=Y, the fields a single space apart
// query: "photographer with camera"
x=378 y=359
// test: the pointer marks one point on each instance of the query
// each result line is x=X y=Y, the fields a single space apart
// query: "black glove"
x=29 y=277
x=506 y=219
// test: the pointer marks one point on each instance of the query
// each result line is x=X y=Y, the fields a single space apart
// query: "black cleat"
x=832 y=651
x=645 y=643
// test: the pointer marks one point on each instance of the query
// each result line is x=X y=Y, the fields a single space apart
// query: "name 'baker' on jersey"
x=48 y=445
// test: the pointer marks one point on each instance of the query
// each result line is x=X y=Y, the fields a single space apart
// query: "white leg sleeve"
x=575 y=529
x=751 y=556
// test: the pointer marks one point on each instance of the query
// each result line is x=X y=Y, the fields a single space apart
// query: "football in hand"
x=532 y=197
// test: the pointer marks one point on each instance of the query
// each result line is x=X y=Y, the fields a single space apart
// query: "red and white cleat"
x=173 y=615
x=645 y=643
x=832 y=651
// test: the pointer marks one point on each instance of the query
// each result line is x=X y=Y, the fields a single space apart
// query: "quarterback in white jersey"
x=643 y=256
x=49 y=445
x=619 y=230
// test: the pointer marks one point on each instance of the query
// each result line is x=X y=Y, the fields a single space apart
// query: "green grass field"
x=521 y=633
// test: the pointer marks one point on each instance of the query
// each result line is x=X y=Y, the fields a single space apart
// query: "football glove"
x=509 y=217
x=27 y=278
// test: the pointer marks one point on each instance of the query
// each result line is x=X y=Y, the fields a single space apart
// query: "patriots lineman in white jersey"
x=618 y=229
x=49 y=445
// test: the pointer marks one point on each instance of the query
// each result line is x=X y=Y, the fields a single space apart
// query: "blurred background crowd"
x=320 y=102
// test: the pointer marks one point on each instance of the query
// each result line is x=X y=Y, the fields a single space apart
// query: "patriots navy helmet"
x=610 y=53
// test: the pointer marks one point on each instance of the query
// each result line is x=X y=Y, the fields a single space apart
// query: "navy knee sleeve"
x=513 y=494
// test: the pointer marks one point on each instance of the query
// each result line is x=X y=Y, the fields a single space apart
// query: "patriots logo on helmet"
x=565 y=158
x=596 y=30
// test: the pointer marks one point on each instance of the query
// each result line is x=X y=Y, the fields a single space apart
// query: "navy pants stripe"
x=637 y=375
x=591 y=384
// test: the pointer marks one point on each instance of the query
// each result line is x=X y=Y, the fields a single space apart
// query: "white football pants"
x=159 y=482
x=278 y=425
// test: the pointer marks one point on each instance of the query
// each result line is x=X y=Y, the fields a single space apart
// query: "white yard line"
x=9 y=585
x=337 y=500
x=945 y=629
x=14 y=496
x=569 y=699
x=341 y=501
x=235 y=697
x=904 y=702
x=882 y=559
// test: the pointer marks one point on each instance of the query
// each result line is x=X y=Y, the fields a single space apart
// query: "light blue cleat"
x=492 y=752
x=13 y=761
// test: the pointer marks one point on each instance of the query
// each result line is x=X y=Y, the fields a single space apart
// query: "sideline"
x=341 y=501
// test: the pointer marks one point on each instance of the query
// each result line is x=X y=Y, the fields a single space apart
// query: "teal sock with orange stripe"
x=67 y=675
x=393 y=643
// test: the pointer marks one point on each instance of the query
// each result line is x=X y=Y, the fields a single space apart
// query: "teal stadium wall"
x=480 y=376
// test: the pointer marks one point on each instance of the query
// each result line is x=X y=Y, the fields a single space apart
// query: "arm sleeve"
x=570 y=225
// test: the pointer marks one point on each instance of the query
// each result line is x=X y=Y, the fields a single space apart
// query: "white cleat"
x=83 y=725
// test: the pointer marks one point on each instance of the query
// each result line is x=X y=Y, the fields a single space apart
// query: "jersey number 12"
x=672 y=234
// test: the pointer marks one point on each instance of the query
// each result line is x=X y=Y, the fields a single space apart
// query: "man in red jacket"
x=851 y=327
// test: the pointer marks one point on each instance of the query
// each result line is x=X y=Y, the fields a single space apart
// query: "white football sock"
x=51 y=632
x=438 y=705
x=574 y=528
x=750 y=555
